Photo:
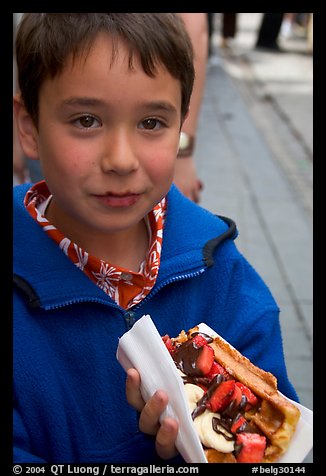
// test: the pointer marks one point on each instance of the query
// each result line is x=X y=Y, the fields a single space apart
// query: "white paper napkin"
x=143 y=349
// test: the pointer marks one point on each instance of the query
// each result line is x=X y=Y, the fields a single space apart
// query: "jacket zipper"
x=130 y=314
x=78 y=301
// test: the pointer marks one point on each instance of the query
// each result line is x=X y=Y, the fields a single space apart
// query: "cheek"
x=162 y=162
x=161 y=167
x=64 y=157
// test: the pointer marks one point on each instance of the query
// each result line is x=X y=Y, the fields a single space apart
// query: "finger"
x=165 y=438
x=197 y=191
x=149 y=417
x=196 y=197
x=134 y=397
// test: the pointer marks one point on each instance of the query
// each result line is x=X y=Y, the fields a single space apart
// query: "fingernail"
x=159 y=395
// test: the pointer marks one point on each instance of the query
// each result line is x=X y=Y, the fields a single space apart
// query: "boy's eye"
x=151 y=124
x=87 y=122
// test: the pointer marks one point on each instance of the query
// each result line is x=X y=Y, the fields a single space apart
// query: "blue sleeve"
x=257 y=332
x=249 y=317
x=264 y=346
x=21 y=452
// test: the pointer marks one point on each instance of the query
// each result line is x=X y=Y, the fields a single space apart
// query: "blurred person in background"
x=186 y=178
x=298 y=24
x=24 y=169
x=19 y=167
x=229 y=29
x=287 y=25
x=210 y=21
x=310 y=32
x=269 y=30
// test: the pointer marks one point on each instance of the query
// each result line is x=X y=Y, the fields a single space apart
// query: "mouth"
x=116 y=200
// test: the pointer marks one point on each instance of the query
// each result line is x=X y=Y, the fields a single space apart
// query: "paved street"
x=254 y=155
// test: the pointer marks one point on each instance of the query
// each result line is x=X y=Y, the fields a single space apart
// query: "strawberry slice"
x=220 y=396
x=199 y=340
x=217 y=369
x=239 y=423
x=251 y=447
x=168 y=343
x=237 y=395
x=251 y=398
x=205 y=359
x=192 y=360
x=201 y=385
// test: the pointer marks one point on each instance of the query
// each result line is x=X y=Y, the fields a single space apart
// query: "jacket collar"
x=191 y=246
x=183 y=251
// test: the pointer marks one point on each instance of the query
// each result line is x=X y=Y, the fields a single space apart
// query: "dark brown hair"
x=45 y=40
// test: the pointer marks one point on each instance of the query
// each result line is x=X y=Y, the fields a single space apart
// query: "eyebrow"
x=82 y=101
x=164 y=106
x=160 y=105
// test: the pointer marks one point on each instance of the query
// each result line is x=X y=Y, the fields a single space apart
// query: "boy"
x=107 y=238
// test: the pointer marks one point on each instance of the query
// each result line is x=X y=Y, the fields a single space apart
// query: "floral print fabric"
x=125 y=287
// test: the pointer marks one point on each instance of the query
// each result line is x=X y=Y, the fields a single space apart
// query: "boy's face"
x=107 y=139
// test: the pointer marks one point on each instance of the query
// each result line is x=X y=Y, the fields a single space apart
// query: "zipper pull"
x=130 y=319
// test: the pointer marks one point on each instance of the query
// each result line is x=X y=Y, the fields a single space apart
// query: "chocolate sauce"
x=233 y=408
x=201 y=404
x=208 y=338
x=216 y=425
x=196 y=380
x=185 y=357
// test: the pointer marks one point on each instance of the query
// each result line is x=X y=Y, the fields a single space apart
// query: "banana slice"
x=193 y=394
x=209 y=437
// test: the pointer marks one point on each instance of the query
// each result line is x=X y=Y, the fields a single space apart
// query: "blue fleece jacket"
x=69 y=388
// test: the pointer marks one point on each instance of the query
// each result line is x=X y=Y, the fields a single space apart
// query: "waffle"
x=274 y=417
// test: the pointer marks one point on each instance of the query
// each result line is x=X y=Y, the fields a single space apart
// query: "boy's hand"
x=165 y=431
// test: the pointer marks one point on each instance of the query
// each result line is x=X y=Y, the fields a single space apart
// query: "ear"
x=26 y=129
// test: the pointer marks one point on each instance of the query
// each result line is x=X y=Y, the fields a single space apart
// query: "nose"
x=119 y=154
